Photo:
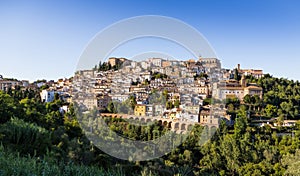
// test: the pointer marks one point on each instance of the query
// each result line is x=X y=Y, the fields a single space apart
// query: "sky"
x=45 y=39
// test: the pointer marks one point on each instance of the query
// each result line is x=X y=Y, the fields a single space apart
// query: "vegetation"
x=201 y=75
x=105 y=66
x=14 y=164
x=158 y=75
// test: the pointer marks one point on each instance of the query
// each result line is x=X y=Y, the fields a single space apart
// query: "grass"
x=12 y=164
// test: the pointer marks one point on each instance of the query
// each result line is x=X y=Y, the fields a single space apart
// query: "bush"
x=14 y=164
x=26 y=138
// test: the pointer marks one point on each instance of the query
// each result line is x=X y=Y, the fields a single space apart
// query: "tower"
x=243 y=81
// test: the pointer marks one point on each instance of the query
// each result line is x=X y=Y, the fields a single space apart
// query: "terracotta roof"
x=232 y=88
x=254 y=87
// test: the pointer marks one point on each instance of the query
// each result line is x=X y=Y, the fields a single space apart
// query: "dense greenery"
x=14 y=164
x=38 y=139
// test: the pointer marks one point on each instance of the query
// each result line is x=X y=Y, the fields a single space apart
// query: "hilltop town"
x=168 y=88
x=156 y=87
x=185 y=91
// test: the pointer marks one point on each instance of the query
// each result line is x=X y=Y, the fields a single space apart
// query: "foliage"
x=291 y=161
x=25 y=137
x=7 y=107
x=157 y=75
x=13 y=164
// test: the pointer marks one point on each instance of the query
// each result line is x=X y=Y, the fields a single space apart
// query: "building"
x=145 y=64
x=66 y=97
x=202 y=87
x=5 y=84
x=210 y=62
x=206 y=118
x=119 y=97
x=84 y=74
x=88 y=103
x=145 y=76
x=116 y=61
x=253 y=90
x=140 y=110
x=192 y=109
x=236 y=89
x=172 y=115
x=156 y=61
x=102 y=101
x=149 y=110
x=158 y=109
x=47 y=95
x=231 y=92
x=25 y=83
x=254 y=72
x=166 y=63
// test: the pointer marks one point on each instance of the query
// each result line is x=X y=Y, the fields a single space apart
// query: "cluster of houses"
x=146 y=81
x=62 y=87
x=48 y=89
x=6 y=84
x=170 y=89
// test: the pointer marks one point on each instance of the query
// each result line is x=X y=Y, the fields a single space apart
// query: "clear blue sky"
x=44 y=39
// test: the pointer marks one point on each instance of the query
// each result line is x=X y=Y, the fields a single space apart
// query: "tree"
x=242 y=112
x=286 y=107
x=247 y=99
x=95 y=68
x=176 y=103
x=270 y=110
x=43 y=87
x=291 y=161
x=111 y=107
x=256 y=101
x=7 y=107
x=240 y=126
x=165 y=94
x=237 y=75
x=132 y=101
x=99 y=66
x=230 y=108
x=280 y=120
x=169 y=105
x=231 y=152
x=56 y=96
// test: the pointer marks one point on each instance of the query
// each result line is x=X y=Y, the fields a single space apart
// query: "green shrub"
x=24 y=137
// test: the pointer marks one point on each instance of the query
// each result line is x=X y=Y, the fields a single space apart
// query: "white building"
x=47 y=95
x=119 y=97
x=5 y=84
x=145 y=64
x=149 y=110
x=156 y=62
